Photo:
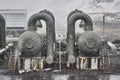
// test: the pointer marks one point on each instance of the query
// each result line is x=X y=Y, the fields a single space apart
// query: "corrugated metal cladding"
x=15 y=18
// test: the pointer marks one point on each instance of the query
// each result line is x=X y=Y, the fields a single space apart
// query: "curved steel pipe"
x=72 y=18
x=2 y=32
x=49 y=28
x=50 y=14
x=33 y=28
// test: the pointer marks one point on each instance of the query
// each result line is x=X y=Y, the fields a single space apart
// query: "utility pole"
x=59 y=55
x=103 y=25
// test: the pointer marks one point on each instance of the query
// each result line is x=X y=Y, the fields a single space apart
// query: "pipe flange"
x=49 y=59
x=71 y=59
x=90 y=43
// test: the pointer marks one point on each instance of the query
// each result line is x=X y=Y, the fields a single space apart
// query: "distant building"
x=15 y=20
x=61 y=36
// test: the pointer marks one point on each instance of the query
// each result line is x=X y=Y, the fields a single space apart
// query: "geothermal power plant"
x=37 y=52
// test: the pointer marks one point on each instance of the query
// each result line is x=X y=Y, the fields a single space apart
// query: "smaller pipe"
x=103 y=24
x=6 y=48
x=52 y=16
x=112 y=47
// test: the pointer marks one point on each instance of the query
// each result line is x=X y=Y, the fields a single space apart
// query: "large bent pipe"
x=33 y=28
x=72 y=18
x=50 y=14
x=49 y=28
x=2 y=32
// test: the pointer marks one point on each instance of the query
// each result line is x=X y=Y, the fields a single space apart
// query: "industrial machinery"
x=31 y=44
x=88 y=43
x=88 y=50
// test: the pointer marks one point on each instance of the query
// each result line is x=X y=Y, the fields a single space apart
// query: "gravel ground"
x=57 y=75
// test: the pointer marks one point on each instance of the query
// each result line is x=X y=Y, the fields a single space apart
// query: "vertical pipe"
x=60 y=55
x=2 y=32
x=52 y=16
x=103 y=25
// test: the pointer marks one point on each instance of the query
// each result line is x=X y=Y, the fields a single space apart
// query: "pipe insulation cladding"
x=2 y=32
x=72 y=18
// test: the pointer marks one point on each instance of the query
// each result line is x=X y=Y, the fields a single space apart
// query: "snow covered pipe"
x=72 y=18
x=49 y=31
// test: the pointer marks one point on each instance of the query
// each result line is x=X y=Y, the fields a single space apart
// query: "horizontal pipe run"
x=6 y=48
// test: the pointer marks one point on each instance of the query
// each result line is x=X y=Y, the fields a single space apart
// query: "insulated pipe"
x=6 y=48
x=72 y=18
x=73 y=12
x=33 y=28
x=49 y=28
x=113 y=48
x=50 y=14
x=2 y=32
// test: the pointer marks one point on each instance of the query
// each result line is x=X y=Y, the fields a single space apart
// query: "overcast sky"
x=61 y=8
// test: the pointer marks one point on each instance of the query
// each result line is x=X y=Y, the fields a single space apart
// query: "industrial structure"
x=34 y=51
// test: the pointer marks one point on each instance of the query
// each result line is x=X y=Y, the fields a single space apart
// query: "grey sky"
x=61 y=8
